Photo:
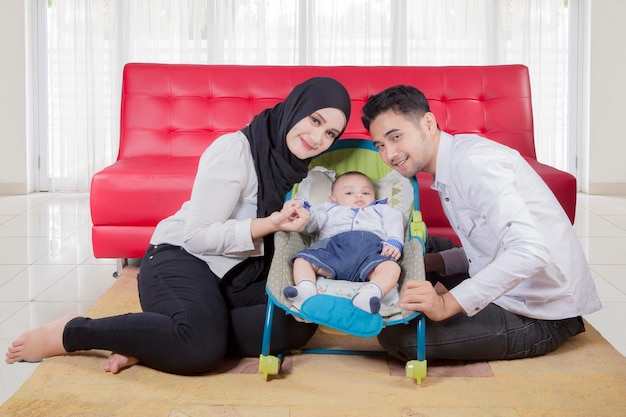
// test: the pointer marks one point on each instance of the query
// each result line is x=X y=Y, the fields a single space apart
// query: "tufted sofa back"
x=178 y=110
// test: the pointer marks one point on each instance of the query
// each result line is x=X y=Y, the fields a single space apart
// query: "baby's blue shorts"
x=349 y=256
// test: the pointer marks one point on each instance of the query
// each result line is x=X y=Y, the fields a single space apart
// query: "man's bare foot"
x=40 y=343
x=116 y=362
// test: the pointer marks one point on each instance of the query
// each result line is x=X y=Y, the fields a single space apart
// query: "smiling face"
x=406 y=144
x=354 y=190
x=315 y=133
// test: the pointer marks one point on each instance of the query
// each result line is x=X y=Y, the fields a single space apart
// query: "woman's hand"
x=293 y=218
x=421 y=296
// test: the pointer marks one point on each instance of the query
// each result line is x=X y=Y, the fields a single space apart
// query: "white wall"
x=15 y=140
x=606 y=137
x=601 y=153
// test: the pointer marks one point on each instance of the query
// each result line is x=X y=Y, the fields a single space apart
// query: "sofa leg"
x=121 y=263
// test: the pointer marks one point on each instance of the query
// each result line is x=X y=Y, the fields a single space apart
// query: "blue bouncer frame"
x=416 y=369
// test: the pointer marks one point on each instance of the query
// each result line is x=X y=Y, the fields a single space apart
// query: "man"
x=530 y=282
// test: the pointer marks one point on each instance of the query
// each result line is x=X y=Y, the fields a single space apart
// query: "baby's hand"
x=292 y=205
x=390 y=251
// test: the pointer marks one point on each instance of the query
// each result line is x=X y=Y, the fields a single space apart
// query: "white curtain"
x=90 y=41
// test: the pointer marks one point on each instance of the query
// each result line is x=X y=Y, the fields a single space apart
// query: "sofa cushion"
x=141 y=191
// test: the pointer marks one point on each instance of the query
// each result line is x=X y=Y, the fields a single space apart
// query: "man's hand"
x=421 y=296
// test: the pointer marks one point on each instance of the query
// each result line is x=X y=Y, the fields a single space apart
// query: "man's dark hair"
x=402 y=99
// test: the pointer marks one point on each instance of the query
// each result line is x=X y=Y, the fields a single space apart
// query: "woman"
x=202 y=279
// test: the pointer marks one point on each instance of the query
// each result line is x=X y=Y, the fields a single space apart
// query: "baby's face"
x=354 y=191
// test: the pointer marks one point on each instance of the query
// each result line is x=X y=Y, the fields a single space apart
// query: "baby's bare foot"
x=116 y=362
x=40 y=343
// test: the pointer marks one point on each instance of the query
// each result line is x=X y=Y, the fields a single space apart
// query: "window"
x=88 y=42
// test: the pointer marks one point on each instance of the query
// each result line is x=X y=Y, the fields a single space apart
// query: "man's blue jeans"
x=492 y=334
x=191 y=319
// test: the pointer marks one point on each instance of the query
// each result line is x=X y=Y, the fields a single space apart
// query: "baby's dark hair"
x=349 y=174
x=405 y=100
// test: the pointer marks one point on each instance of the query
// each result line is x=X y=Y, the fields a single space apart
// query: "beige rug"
x=585 y=378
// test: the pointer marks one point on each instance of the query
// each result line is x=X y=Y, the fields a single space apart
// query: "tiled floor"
x=47 y=268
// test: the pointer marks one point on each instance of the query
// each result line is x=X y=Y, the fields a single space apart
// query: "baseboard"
x=13 y=189
x=607 y=188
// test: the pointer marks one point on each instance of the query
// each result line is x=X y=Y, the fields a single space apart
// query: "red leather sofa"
x=171 y=112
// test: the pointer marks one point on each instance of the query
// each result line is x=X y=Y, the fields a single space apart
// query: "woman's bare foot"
x=116 y=362
x=40 y=343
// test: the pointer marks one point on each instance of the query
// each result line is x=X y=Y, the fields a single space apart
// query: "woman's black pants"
x=191 y=319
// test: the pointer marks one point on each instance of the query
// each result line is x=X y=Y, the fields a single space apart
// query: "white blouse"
x=214 y=225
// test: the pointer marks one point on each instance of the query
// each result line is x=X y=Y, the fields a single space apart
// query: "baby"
x=360 y=239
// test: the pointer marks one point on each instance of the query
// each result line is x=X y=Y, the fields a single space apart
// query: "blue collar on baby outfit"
x=334 y=204
x=373 y=203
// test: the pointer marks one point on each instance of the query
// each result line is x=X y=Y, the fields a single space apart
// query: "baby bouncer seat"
x=331 y=307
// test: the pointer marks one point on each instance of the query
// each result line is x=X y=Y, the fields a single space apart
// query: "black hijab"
x=277 y=168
